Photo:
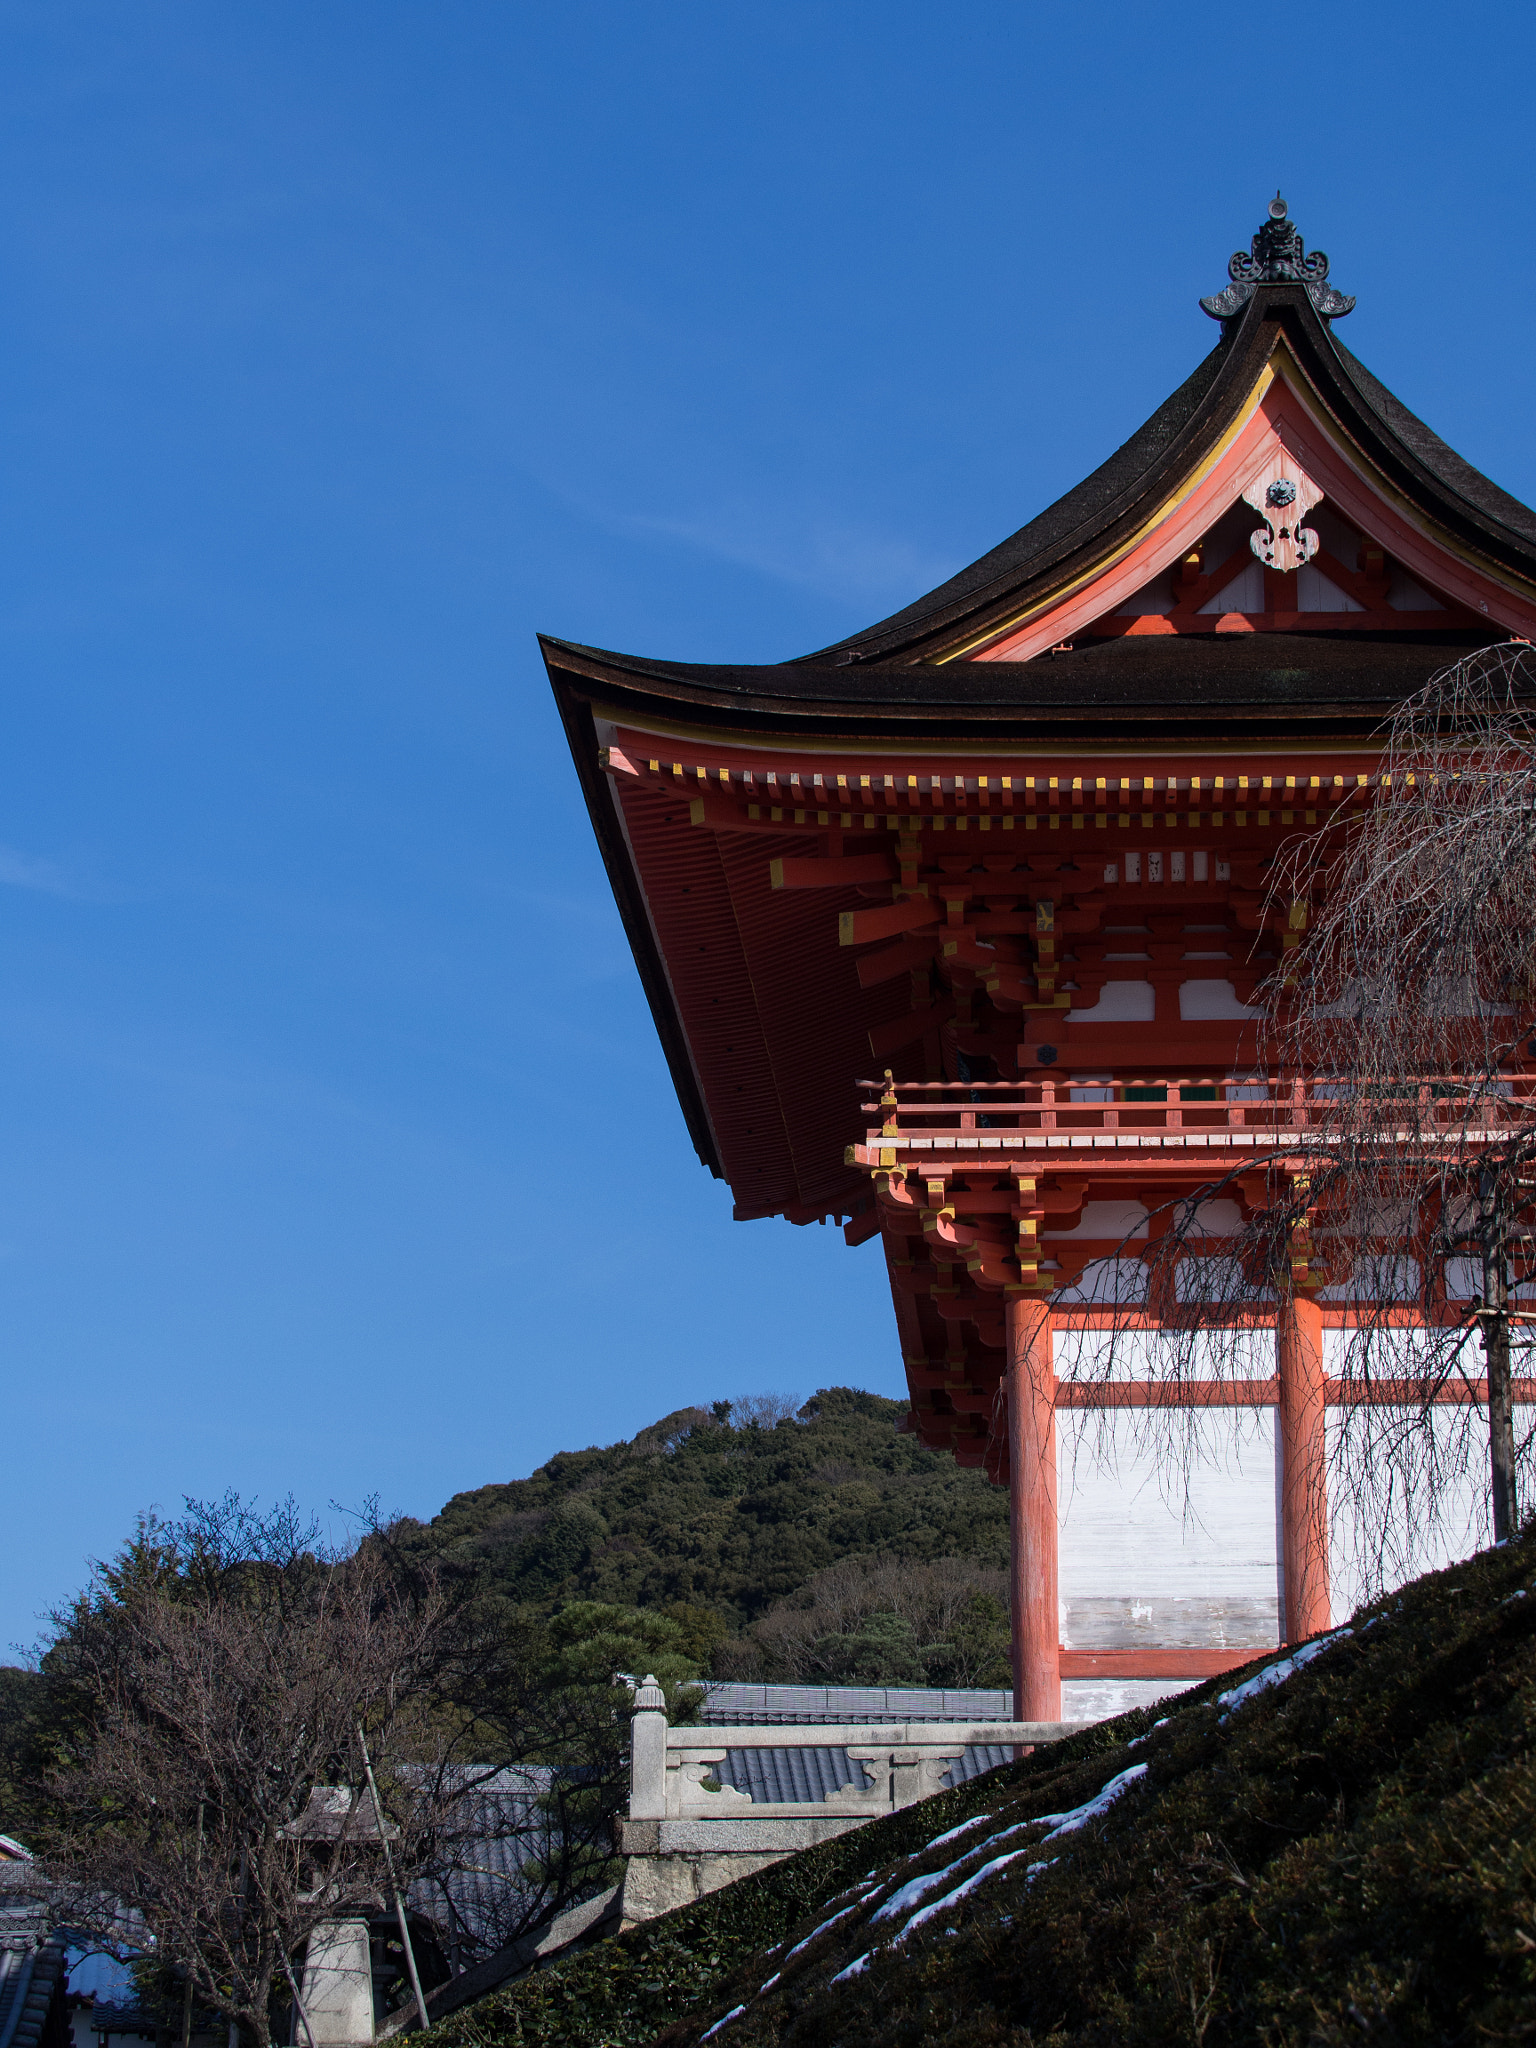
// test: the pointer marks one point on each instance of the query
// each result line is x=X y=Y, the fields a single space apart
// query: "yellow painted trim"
x=1166 y=508
x=1282 y=366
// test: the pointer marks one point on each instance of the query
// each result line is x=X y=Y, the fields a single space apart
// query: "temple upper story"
x=1026 y=821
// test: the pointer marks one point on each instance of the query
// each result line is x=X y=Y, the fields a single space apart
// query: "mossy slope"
x=1347 y=1856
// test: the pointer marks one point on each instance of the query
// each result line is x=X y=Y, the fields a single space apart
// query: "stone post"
x=648 y=1753
x=338 y=1986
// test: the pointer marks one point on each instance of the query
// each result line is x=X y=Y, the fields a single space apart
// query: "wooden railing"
x=1180 y=1110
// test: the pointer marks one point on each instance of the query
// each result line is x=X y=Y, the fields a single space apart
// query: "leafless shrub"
x=214 y=1799
x=803 y=1637
x=763 y=1411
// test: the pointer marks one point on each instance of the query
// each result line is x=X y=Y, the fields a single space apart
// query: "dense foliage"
x=741 y=1539
x=182 y=1666
x=21 y=1761
x=1346 y=1855
x=712 y=1521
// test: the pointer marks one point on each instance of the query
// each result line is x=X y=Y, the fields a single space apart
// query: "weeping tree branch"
x=1404 y=1004
x=213 y=1805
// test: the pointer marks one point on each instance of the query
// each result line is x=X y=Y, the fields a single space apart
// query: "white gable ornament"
x=1283 y=494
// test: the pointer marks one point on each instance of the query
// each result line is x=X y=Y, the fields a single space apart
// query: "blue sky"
x=343 y=346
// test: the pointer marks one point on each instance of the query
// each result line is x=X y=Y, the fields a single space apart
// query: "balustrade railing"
x=889 y=1766
x=1062 y=1110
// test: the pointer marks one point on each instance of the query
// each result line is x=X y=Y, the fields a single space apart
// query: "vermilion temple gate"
x=1015 y=844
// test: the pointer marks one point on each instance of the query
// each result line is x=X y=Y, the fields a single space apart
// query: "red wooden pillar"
x=1303 y=1467
x=1032 y=1510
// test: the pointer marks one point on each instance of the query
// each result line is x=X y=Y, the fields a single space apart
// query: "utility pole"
x=389 y=1864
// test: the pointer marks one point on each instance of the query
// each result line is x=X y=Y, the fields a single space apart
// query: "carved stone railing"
x=901 y=1762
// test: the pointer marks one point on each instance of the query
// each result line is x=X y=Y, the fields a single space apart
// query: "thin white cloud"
x=807 y=550
x=833 y=559
x=26 y=871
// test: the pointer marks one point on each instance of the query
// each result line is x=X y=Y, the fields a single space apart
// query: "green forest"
x=762 y=1532
x=749 y=1539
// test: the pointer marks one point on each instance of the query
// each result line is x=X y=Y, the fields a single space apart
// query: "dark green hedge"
x=1351 y=1857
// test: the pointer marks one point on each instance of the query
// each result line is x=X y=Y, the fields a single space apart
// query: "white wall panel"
x=1427 y=1508
x=1100 y=1699
x=1189 y=1560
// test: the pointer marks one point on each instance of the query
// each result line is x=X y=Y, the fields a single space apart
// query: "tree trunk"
x=1501 y=1419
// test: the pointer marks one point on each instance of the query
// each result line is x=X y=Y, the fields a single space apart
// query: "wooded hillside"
x=714 y=1515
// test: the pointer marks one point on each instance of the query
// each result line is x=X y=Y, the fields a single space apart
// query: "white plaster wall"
x=1316 y=592
x=1120 y=1002
x=1428 y=1507
x=1100 y=1699
x=1096 y=1355
x=1153 y=1555
x=1245 y=593
x=1111 y=1220
x=1161 y=1546
x=1209 y=1000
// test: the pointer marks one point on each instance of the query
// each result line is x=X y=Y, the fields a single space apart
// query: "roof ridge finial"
x=1277 y=255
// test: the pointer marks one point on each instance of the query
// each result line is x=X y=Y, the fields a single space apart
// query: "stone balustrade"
x=684 y=1837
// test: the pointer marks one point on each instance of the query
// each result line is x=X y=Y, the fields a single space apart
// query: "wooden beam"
x=885 y=920
x=1191 y=1662
x=1303 y=1467
x=831 y=873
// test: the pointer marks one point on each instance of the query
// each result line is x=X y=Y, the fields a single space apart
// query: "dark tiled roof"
x=31 y=1977
x=126 y=2017
x=808 y=1775
x=728 y=1704
x=1436 y=455
x=478 y=1892
x=1203 y=686
x=796 y=1776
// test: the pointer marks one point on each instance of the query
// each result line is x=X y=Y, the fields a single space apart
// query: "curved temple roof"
x=1084 y=527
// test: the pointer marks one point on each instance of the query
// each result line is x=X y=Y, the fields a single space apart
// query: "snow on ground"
x=1276 y=1674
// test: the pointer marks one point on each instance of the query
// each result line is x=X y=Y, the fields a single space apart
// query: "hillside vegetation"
x=1343 y=1851
x=715 y=1515
x=739 y=1540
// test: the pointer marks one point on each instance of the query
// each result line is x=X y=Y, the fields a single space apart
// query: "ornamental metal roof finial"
x=1277 y=255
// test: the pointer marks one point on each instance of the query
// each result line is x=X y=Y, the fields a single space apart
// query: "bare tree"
x=1400 y=1182
x=214 y=1805
x=759 y=1411
x=1413 y=991
x=954 y=1613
